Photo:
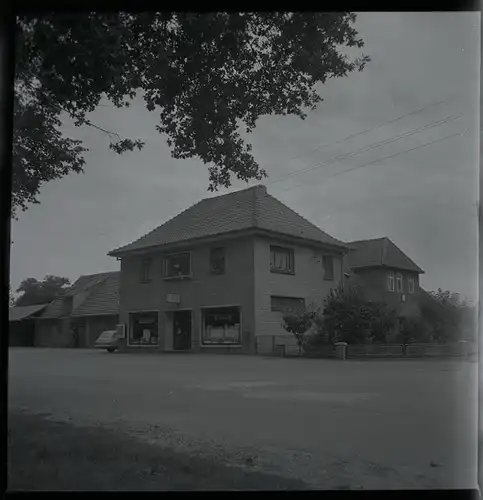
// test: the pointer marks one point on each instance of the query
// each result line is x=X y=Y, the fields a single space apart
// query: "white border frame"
x=128 y=336
x=390 y=274
x=217 y=346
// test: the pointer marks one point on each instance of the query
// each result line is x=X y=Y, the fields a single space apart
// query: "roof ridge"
x=302 y=217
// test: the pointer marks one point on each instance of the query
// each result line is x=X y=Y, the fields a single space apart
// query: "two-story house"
x=385 y=273
x=219 y=275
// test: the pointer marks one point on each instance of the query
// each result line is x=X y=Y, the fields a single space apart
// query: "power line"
x=385 y=158
x=368 y=148
x=394 y=120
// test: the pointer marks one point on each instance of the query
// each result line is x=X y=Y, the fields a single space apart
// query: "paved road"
x=357 y=424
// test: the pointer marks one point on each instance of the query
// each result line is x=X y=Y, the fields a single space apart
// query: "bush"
x=348 y=317
x=299 y=324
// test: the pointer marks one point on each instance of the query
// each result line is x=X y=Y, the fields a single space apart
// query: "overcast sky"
x=423 y=200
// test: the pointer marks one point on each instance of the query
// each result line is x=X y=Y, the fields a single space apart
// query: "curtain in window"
x=281 y=260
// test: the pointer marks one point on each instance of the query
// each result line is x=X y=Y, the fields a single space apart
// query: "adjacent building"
x=385 y=273
x=219 y=275
x=81 y=314
x=21 y=324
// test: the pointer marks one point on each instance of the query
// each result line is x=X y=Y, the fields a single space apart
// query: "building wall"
x=235 y=287
x=374 y=281
x=307 y=282
x=53 y=333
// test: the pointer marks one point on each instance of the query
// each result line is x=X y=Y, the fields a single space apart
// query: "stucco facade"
x=247 y=283
x=307 y=283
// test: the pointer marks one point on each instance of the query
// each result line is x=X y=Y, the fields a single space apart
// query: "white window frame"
x=390 y=281
x=130 y=328
x=411 y=284
x=399 y=283
x=202 y=326
x=176 y=276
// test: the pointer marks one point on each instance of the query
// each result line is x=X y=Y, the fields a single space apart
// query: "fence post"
x=341 y=350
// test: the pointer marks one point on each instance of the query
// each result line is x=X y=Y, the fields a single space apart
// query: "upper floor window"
x=328 y=267
x=281 y=260
x=177 y=265
x=145 y=270
x=411 y=285
x=390 y=281
x=217 y=260
x=399 y=282
x=286 y=304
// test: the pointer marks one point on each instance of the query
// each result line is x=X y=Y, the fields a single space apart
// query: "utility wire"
x=385 y=158
x=368 y=148
x=389 y=122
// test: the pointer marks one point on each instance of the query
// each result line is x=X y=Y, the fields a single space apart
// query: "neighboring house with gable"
x=219 y=275
x=385 y=273
x=81 y=314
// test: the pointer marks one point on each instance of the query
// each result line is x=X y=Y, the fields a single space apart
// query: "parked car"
x=108 y=340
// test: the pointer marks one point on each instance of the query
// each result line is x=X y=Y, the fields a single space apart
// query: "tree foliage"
x=298 y=324
x=347 y=316
x=36 y=292
x=208 y=75
x=450 y=317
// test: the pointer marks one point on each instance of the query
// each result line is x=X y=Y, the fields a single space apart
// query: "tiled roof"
x=23 y=312
x=103 y=297
x=244 y=209
x=380 y=252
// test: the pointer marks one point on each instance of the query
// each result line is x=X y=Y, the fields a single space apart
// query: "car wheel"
x=111 y=349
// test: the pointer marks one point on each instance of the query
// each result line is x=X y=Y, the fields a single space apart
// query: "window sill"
x=143 y=345
x=279 y=271
x=145 y=281
x=328 y=279
x=217 y=273
x=185 y=277
x=221 y=345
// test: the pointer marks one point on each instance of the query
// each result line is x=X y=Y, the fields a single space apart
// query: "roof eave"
x=123 y=253
x=386 y=266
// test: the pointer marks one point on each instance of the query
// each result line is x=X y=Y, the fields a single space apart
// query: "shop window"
x=143 y=328
x=221 y=326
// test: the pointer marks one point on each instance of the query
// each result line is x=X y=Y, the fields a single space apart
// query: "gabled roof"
x=251 y=208
x=380 y=252
x=23 y=312
x=102 y=299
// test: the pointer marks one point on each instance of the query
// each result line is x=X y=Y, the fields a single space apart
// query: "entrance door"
x=181 y=330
